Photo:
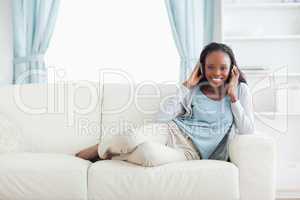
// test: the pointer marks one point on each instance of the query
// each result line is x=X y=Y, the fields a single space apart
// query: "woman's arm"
x=177 y=105
x=181 y=99
x=185 y=90
x=242 y=110
x=173 y=106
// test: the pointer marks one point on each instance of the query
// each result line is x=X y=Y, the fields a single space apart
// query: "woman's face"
x=217 y=65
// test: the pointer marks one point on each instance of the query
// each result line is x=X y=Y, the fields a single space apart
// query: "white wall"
x=6 y=49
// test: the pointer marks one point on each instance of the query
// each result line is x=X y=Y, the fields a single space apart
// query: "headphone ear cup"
x=229 y=74
x=201 y=71
x=200 y=68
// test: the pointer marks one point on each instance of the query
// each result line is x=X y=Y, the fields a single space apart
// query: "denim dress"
x=208 y=124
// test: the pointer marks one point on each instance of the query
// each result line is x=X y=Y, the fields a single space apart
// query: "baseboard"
x=288 y=195
x=287 y=199
x=288 y=183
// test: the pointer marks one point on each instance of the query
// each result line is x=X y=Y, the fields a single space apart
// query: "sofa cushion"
x=42 y=176
x=193 y=180
x=10 y=136
x=48 y=115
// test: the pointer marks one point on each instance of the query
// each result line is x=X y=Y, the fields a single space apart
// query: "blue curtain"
x=193 y=23
x=33 y=24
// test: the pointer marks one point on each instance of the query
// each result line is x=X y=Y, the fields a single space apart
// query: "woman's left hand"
x=231 y=90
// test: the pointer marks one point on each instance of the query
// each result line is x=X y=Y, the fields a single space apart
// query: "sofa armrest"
x=255 y=157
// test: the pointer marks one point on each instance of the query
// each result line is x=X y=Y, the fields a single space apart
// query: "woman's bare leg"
x=89 y=153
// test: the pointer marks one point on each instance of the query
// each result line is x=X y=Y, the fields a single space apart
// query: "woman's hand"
x=194 y=78
x=231 y=90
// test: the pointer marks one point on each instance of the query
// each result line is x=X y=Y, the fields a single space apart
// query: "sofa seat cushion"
x=192 y=180
x=42 y=176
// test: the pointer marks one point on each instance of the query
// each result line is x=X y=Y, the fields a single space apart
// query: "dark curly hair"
x=212 y=47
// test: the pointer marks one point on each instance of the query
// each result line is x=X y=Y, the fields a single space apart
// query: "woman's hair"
x=212 y=47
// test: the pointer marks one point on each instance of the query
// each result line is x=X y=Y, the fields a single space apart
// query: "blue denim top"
x=208 y=124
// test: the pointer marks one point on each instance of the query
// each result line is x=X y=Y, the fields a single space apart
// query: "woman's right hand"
x=194 y=78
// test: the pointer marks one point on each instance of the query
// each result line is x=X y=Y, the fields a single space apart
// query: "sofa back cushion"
x=52 y=118
x=126 y=106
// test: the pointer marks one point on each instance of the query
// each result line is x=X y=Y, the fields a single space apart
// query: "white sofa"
x=48 y=124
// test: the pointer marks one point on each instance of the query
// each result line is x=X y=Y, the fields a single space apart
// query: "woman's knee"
x=117 y=144
x=144 y=134
x=150 y=154
x=127 y=142
x=145 y=154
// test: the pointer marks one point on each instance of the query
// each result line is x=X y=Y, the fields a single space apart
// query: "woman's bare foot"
x=89 y=153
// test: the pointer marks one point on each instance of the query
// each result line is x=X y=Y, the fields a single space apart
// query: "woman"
x=213 y=104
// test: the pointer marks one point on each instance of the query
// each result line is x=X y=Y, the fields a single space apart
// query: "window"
x=134 y=36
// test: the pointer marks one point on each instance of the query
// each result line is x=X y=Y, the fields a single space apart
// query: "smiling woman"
x=200 y=127
x=124 y=35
